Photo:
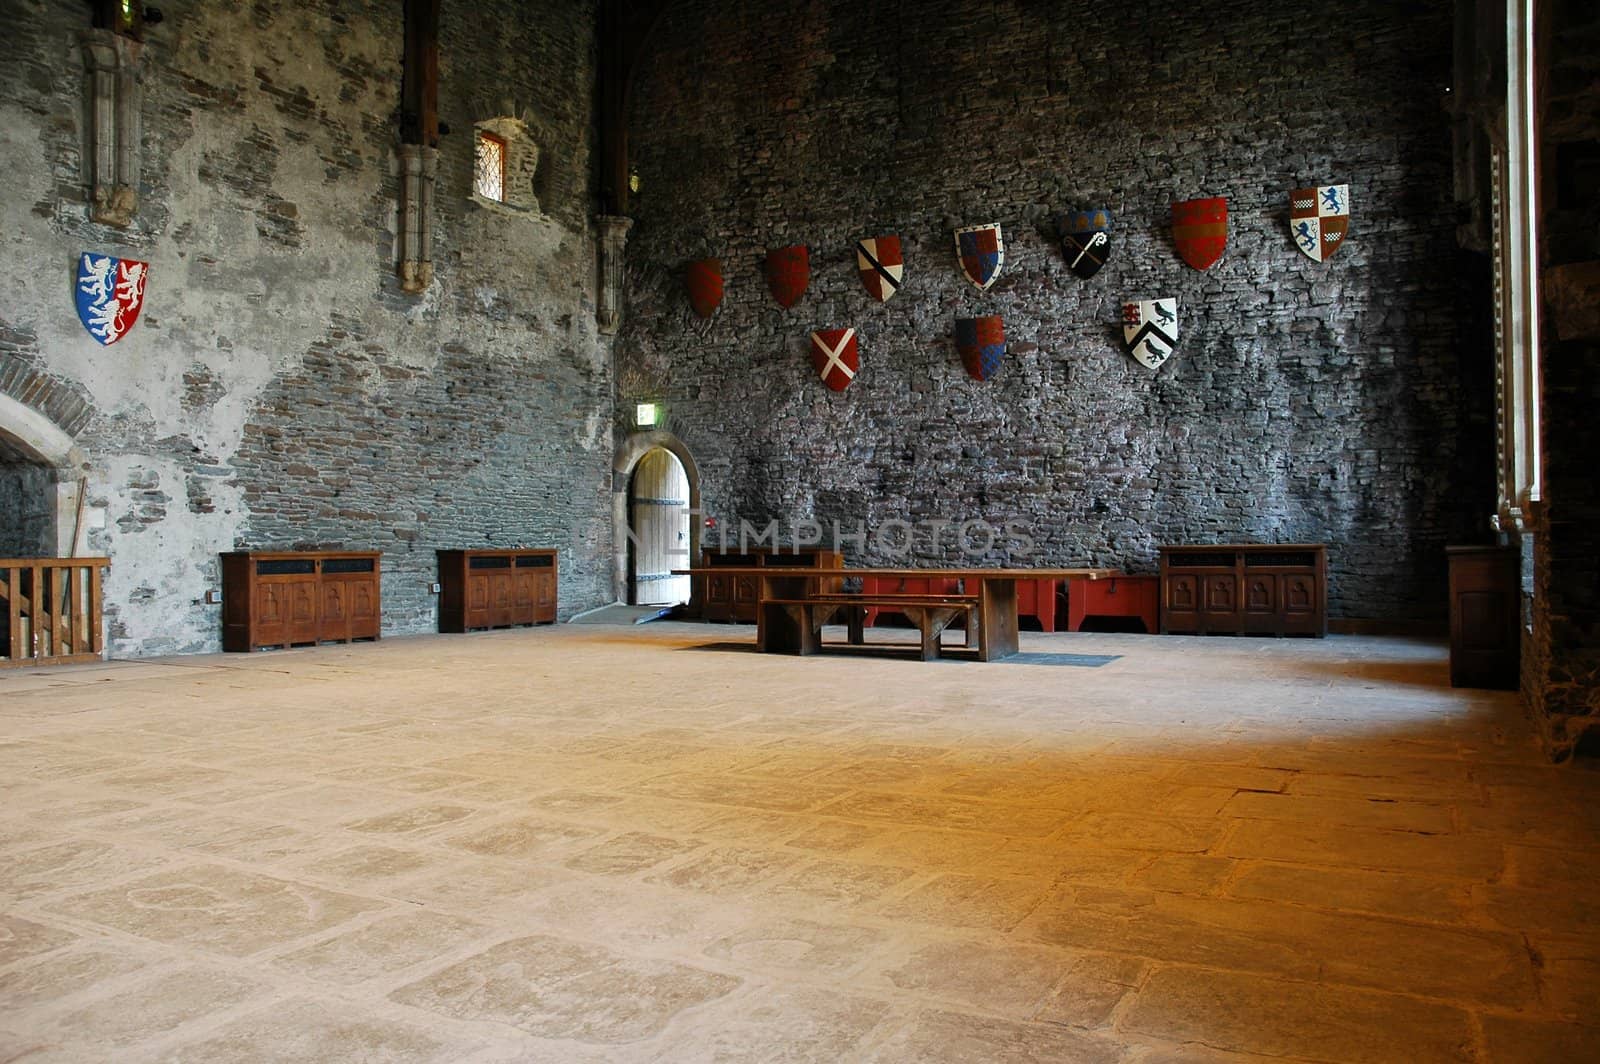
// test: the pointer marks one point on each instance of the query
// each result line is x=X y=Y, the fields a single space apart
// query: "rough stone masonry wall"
x=1562 y=677
x=280 y=391
x=1346 y=402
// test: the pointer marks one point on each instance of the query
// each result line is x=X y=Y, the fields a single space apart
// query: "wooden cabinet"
x=1485 y=616
x=284 y=598
x=1245 y=589
x=496 y=588
x=733 y=597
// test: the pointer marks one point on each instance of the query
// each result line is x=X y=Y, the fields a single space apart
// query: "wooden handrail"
x=50 y=610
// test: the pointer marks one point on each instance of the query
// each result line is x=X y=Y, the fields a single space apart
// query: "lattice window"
x=489 y=167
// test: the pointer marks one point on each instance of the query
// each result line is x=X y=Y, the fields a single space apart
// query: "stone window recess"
x=505 y=161
x=113 y=97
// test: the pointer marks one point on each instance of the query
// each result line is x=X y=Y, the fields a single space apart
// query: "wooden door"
x=335 y=620
x=502 y=598
x=545 y=600
x=524 y=595
x=1301 y=604
x=658 y=503
x=304 y=615
x=361 y=597
x=1261 y=601
x=477 y=605
x=271 y=613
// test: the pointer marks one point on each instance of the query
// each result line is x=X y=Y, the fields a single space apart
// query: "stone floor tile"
x=777 y=1024
x=522 y=837
x=726 y=869
x=1357 y=890
x=845 y=883
x=629 y=853
x=382 y=947
x=1009 y=980
x=955 y=900
x=21 y=938
x=1386 y=813
x=937 y=1037
x=554 y=988
x=1458 y=963
x=1252 y=1014
x=365 y=865
x=1561 y=869
x=215 y=908
x=304 y=1031
x=413 y=818
x=71 y=971
x=833 y=836
x=800 y=945
x=1186 y=873
x=41 y=870
x=122 y=1022
x=1460 y=856
x=1091 y=989
x=1127 y=831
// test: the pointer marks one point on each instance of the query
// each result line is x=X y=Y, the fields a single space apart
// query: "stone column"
x=613 y=241
x=112 y=63
x=418 y=164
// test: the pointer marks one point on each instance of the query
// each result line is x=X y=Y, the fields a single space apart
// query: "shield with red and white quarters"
x=882 y=265
x=1200 y=229
x=982 y=252
x=110 y=294
x=703 y=278
x=982 y=343
x=788 y=273
x=837 y=357
x=1319 y=218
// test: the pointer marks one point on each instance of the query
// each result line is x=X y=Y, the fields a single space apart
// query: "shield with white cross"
x=836 y=356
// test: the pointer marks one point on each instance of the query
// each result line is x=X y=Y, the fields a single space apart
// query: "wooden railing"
x=50 y=610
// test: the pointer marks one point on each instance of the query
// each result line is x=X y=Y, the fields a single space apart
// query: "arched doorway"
x=658 y=514
x=38 y=484
x=631 y=453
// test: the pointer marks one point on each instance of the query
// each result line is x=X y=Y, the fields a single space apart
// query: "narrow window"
x=489 y=172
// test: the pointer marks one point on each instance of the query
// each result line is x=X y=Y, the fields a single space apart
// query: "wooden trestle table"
x=996 y=592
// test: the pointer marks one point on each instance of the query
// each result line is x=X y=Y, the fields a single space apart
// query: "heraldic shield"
x=982 y=343
x=882 y=266
x=704 y=281
x=837 y=357
x=788 y=273
x=1320 y=218
x=110 y=295
x=1086 y=241
x=982 y=251
x=1200 y=229
x=1150 y=328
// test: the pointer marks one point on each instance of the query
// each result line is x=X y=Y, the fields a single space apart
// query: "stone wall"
x=27 y=513
x=1346 y=402
x=279 y=390
x=1562 y=677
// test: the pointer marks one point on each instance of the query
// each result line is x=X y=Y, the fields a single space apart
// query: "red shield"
x=982 y=343
x=1200 y=229
x=836 y=356
x=788 y=273
x=882 y=265
x=704 y=281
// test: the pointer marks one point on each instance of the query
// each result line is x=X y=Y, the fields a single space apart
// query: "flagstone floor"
x=649 y=844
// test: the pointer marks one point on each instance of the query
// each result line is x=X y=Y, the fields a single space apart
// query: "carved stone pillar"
x=613 y=241
x=112 y=63
x=417 y=166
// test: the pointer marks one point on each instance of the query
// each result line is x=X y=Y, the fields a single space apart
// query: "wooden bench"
x=932 y=614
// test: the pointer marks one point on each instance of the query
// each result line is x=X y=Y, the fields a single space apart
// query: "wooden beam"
x=419 y=92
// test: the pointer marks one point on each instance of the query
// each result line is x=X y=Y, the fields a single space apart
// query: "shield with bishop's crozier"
x=837 y=357
x=882 y=266
x=1200 y=229
x=1086 y=241
x=982 y=343
x=1150 y=328
x=982 y=251
x=704 y=281
x=1320 y=218
x=788 y=273
x=110 y=294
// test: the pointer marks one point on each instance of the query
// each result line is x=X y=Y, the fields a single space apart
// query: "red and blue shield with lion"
x=109 y=294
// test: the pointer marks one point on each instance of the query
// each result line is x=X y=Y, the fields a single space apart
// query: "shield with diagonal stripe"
x=837 y=357
x=1086 y=241
x=1200 y=229
x=982 y=251
x=982 y=343
x=882 y=265
x=1319 y=218
x=788 y=273
x=1150 y=327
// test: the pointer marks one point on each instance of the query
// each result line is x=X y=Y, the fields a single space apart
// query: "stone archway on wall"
x=634 y=447
x=39 y=483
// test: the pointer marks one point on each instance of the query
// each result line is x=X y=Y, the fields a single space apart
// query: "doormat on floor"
x=1082 y=661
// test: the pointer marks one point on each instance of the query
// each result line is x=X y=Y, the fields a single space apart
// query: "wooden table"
x=996 y=590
